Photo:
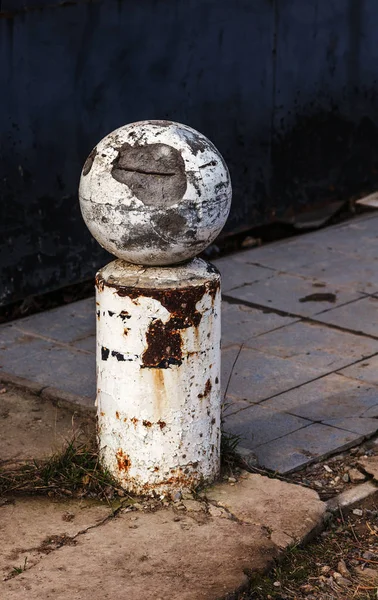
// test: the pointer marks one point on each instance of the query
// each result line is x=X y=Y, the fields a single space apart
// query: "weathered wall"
x=286 y=89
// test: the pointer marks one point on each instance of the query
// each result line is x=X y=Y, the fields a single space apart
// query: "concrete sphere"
x=155 y=192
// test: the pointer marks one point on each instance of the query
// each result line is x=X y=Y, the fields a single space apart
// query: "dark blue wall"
x=287 y=90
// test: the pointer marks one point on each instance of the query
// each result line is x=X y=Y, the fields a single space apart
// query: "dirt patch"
x=34 y=428
x=341 y=564
x=338 y=473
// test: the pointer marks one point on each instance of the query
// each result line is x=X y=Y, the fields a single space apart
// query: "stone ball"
x=155 y=192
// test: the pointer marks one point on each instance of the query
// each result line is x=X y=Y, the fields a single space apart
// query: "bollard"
x=155 y=194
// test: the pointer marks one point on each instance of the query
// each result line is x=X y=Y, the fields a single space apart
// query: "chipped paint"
x=155 y=193
x=171 y=359
x=207 y=389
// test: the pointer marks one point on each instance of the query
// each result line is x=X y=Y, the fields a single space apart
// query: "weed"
x=19 y=570
x=229 y=455
x=74 y=471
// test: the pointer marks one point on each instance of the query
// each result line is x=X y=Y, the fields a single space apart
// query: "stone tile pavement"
x=299 y=345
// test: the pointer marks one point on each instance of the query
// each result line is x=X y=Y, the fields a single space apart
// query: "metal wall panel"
x=282 y=87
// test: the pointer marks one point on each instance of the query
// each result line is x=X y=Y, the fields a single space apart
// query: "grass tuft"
x=229 y=456
x=75 y=471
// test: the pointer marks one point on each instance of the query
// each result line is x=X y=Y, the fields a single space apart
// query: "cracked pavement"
x=194 y=548
x=197 y=549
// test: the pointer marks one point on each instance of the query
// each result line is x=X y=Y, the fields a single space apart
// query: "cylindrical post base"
x=158 y=375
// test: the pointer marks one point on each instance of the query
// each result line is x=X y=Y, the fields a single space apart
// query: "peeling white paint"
x=158 y=213
x=157 y=193
x=159 y=428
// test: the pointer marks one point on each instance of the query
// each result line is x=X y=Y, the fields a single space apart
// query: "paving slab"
x=48 y=364
x=303 y=446
x=365 y=370
x=200 y=554
x=88 y=344
x=158 y=556
x=229 y=356
x=333 y=400
x=357 y=238
x=191 y=549
x=240 y=323
x=346 y=272
x=330 y=243
x=257 y=376
x=66 y=324
x=364 y=425
x=316 y=347
x=236 y=273
x=360 y=316
x=288 y=255
x=257 y=425
x=327 y=397
x=292 y=294
x=370 y=413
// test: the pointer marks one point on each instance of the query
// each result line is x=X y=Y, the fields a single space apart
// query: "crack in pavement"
x=61 y=541
x=311 y=320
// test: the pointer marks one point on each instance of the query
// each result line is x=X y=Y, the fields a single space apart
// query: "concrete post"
x=155 y=194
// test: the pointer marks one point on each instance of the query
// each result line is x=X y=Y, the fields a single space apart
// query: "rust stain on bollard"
x=123 y=461
x=179 y=478
x=163 y=346
x=155 y=194
x=168 y=347
x=207 y=390
x=159 y=388
x=164 y=342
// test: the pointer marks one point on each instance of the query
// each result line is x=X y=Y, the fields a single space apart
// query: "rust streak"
x=99 y=283
x=180 y=478
x=162 y=424
x=147 y=423
x=207 y=389
x=117 y=414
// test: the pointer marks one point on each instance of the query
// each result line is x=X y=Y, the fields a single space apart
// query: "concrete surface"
x=72 y=549
x=34 y=428
x=190 y=549
x=300 y=340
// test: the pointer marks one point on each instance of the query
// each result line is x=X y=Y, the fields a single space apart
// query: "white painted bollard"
x=156 y=193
